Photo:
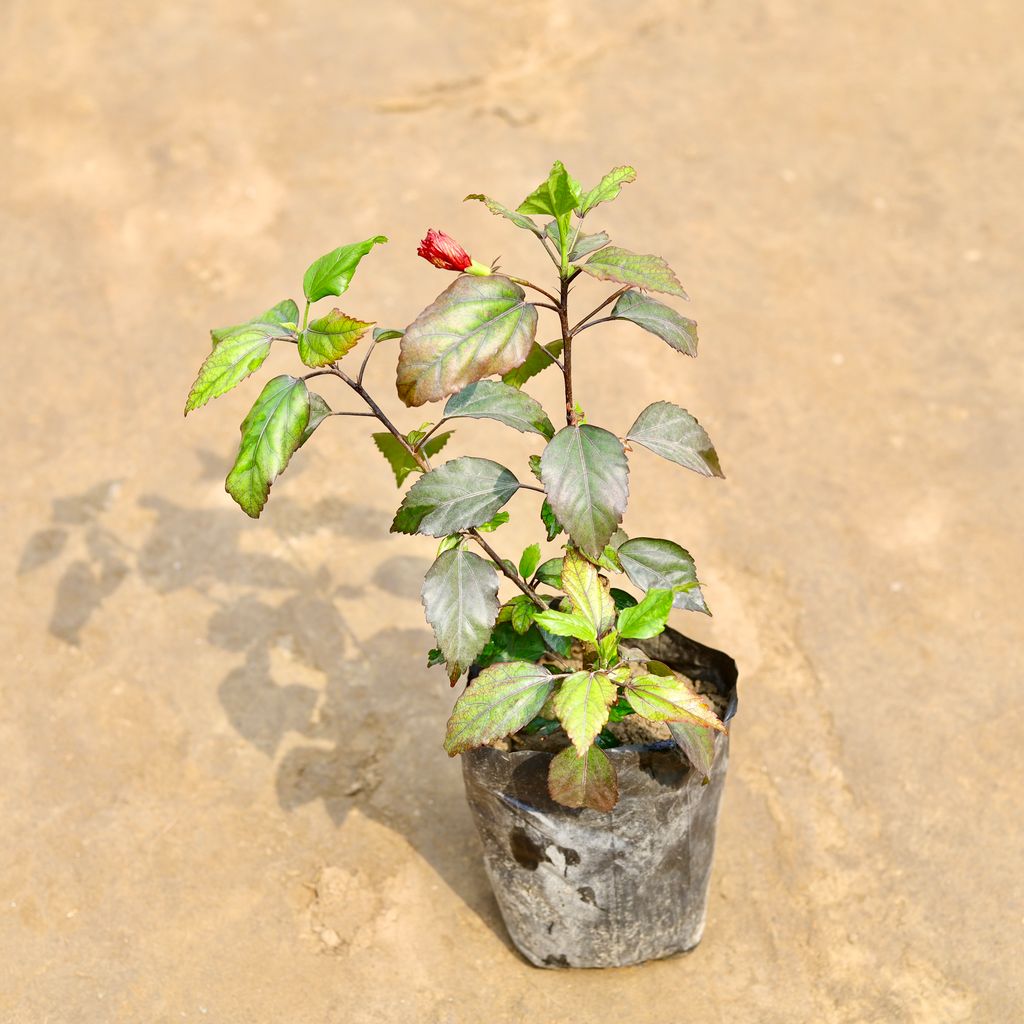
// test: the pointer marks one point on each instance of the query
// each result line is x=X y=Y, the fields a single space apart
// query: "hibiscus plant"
x=556 y=655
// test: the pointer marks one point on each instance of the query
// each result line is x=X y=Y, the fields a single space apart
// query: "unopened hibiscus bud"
x=443 y=251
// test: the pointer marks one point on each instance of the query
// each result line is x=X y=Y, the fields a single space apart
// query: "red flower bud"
x=443 y=251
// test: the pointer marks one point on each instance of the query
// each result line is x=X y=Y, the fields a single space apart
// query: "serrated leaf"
x=271 y=432
x=434 y=657
x=607 y=189
x=624 y=267
x=456 y=496
x=535 y=466
x=319 y=410
x=654 y=564
x=671 y=432
x=552 y=526
x=697 y=742
x=550 y=572
x=330 y=337
x=585 y=244
x=499 y=702
x=566 y=624
x=477 y=327
x=453 y=540
x=587 y=781
x=664 y=699
x=582 y=704
x=503 y=211
x=284 y=314
x=529 y=560
x=495 y=400
x=536 y=362
x=558 y=196
x=386 y=333
x=583 y=586
x=460 y=596
x=648 y=618
x=661 y=320
x=401 y=462
x=332 y=273
x=238 y=352
x=586 y=478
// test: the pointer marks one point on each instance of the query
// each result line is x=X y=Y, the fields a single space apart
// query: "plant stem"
x=563 y=316
x=536 y=288
x=427 y=436
x=502 y=567
x=593 y=323
x=607 y=302
x=421 y=460
x=366 y=359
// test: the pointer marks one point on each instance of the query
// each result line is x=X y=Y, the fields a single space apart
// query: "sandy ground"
x=223 y=793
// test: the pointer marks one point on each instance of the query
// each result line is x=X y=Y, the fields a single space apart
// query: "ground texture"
x=223 y=794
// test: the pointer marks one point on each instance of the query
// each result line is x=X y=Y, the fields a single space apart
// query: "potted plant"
x=593 y=736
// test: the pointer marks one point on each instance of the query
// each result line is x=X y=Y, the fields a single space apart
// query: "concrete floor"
x=224 y=797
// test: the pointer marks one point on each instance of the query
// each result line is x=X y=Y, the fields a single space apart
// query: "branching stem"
x=503 y=568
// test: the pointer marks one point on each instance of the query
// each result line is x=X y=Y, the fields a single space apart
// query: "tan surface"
x=209 y=812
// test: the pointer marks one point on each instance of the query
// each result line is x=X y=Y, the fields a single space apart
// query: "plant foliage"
x=555 y=655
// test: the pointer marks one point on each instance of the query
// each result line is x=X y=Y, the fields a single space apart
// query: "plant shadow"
x=369 y=736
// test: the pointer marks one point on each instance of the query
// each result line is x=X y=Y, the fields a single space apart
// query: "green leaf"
x=536 y=361
x=608 y=647
x=495 y=400
x=654 y=564
x=503 y=211
x=647 y=618
x=607 y=189
x=661 y=699
x=453 y=540
x=697 y=742
x=331 y=274
x=523 y=614
x=319 y=410
x=434 y=657
x=460 y=595
x=499 y=702
x=585 y=476
x=329 y=338
x=456 y=496
x=588 y=593
x=587 y=781
x=558 y=196
x=492 y=524
x=619 y=710
x=566 y=624
x=585 y=244
x=659 y=319
x=550 y=572
x=271 y=432
x=622 y=599
x=671 y=432
x=284 y=315
x=386 y=333
x=507 y=645
x=237 y=352
x=550 y=520
x=625 y=267
x=582 y=704
x=529 y=560
x=477 y=327
x=535 y=466
x=401 y=462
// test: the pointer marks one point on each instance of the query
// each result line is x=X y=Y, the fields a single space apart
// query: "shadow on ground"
x=354 y=749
